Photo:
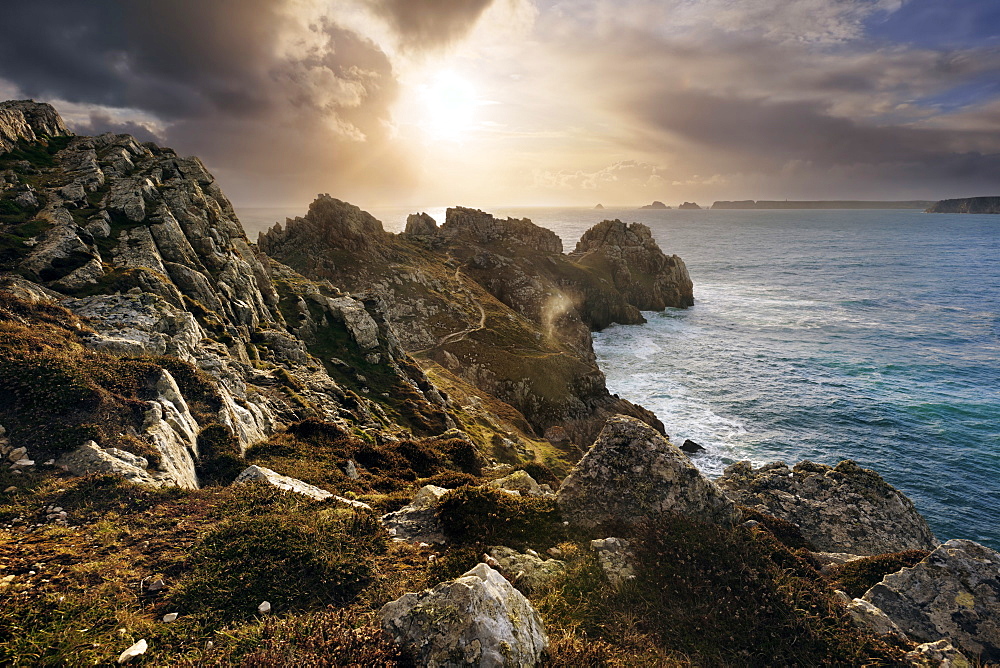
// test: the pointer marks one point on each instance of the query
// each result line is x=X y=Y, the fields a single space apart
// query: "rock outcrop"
x=91 y=458
x=490 y=300
x=953 y=594
x=28 y=121
x=632 y=473
x=144 y=244
x=334 y=225
x=967 y=205
x=481 y=228
x=838 y=509
x=282 y=482
x=940 y=654
x=420 y=225
x=650 y=280
x=478 y=619
x=417 y=521
x=616 y=559
x=526 y=569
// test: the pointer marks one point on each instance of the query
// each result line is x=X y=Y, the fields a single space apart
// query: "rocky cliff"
x=209 y=457
x=966 y=205
x=496 y=302
x=142 y=246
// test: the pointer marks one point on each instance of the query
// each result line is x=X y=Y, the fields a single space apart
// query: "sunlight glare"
x=449 y=106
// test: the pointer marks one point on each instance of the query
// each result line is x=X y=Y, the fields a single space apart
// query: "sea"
x=820 y=335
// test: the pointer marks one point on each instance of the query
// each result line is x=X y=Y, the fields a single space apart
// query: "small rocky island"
x=655 y=205
x=341 y=446
x=966 y=205
x=689 y=206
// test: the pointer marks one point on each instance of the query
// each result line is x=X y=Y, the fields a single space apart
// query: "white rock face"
x=168 y=424
x=90 y=458
x=632 y=473
x=135 y=650
x=844 y=508
x=359 y=322
x=519 y=481
x=954 y=594
x=478 y=619
x=253 y=473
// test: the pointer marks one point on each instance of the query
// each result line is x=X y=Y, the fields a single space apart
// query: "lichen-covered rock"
x=616 y=559
x=954 y=594
x=478 y=619
x=838 y=509
x=91 y=458
x=520 y=482
x=940 y=654
x=632 y=473
x=418 y=521
x=329 y=223
x=870 y=618
x=289 y=484
x=526 y=569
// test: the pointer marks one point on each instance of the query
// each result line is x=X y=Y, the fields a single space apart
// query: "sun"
x=448 y=104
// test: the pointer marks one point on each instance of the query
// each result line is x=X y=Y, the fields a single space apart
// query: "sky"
x=532 y=102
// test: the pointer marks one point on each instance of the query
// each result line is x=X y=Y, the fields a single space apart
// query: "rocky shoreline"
x=341 y=446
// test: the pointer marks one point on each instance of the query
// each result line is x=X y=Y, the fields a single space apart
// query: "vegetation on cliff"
x=139 y=327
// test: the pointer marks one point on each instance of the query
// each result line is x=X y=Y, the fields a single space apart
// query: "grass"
x=484 y=516
x=12 y=238
x=220 y=551
x=707 y=595
x=858 y=576
x=282 y=551
x=55 y=393
x=40 y=154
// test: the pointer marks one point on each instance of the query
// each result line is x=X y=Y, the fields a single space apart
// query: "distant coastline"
x=822 y=204
x=966 y=205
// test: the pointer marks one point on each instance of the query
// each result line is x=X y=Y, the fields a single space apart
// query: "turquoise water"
x=824 y=335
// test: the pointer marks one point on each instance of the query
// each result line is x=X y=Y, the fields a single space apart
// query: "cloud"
x=422 y=24
x=741 y=91
x=626 y=175
x=278 y=96
x=100 y=122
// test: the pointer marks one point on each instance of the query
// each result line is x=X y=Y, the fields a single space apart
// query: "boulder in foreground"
x=631 y=474
x=954 y=594
x=478 y=619
x=838 y=509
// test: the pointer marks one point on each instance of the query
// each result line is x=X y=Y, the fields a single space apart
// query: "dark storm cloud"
x=98 y=123
x=429 y=23
x=275 y=82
